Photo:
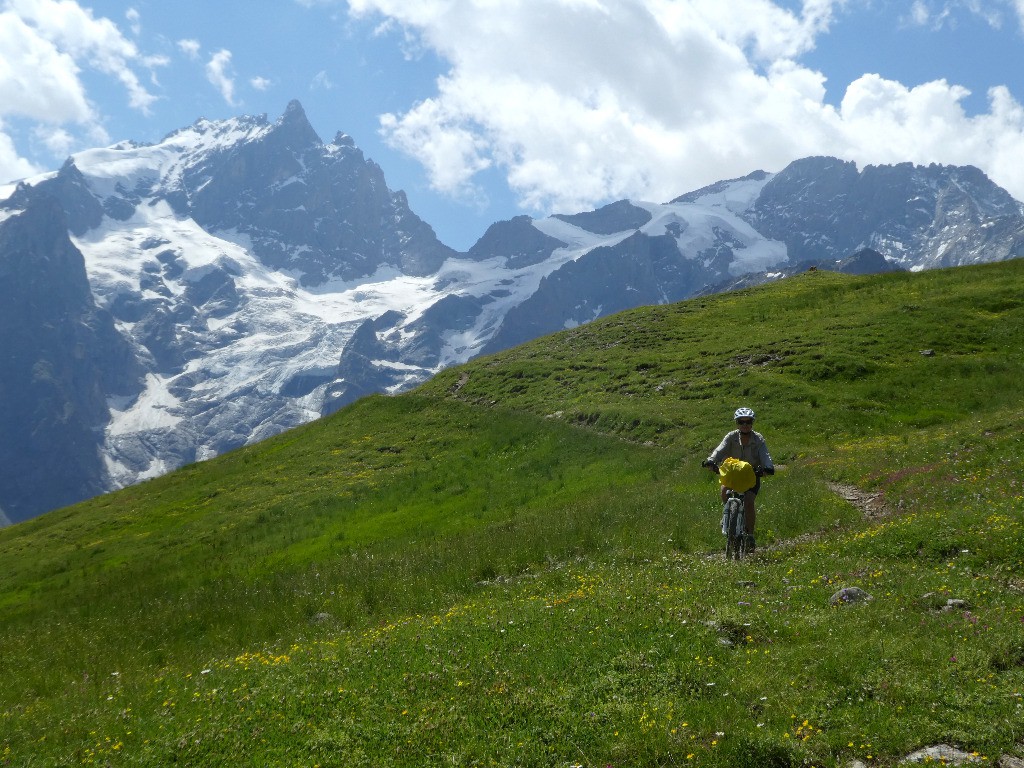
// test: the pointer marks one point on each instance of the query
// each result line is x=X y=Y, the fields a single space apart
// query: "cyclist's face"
x=745 y=425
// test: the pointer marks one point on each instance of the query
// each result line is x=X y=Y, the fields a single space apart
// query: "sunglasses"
x=745 y=422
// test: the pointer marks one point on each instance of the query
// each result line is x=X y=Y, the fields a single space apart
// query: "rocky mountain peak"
x=614 y=217
x=308 y=207
x=721 y=186
x=294 y=130
x=69 y=186
x=517 y=240
x=866 y=261
x=824 y=208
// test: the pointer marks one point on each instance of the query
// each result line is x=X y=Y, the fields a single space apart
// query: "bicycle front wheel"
x=742 y=544
x=734 y=538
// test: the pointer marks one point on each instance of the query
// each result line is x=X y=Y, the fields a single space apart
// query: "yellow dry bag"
x=736 y=474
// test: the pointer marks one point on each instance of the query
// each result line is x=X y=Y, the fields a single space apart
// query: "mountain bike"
x=738 y=543
x=734 y=527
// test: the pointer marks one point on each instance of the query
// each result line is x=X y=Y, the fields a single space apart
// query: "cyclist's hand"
x=708 y=464
x=768 y=470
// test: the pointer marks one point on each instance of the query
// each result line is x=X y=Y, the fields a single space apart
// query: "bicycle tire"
x=729 y=522
x=739 y=546
x=735 y=543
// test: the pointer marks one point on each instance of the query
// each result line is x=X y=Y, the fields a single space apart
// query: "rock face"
x=941 y=754
x=322 y=211
x=617 y=217
x=165 y=303
x=917 y=217
x=516 y=241
x=62 y=356
x=641 y=269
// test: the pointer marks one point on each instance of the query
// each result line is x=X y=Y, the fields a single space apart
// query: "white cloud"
x=97 y=43
x=260 y=83
x=937 y=14
x=452 y=153
x=12 y=165
x=134 y=21
x=321 y=81
x=1018 y=8
x=46 y=47
x=920 y=14
x=217 y=73
x=37 y=79
x=593 y=100
x=190 y=48
x=57 y=140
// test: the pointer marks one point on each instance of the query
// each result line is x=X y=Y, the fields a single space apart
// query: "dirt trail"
x=872 y=505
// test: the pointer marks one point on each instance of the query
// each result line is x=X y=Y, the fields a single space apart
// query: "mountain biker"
x=745 y=444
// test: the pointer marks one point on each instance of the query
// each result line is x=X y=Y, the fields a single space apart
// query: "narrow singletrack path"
x=871 y=504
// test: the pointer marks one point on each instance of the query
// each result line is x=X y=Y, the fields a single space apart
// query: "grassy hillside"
x=518 y=564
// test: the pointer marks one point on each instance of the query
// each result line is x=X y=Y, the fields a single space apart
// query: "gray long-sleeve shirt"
x=755 y=452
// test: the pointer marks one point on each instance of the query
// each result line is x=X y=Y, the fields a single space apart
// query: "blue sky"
x=486 y=109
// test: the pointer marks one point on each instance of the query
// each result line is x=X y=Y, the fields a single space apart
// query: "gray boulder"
x=849 y=595
x=942 y=754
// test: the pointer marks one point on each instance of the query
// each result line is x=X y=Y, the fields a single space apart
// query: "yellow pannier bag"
x=736 y=474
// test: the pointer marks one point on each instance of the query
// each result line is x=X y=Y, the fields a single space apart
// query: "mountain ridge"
x=246 y=263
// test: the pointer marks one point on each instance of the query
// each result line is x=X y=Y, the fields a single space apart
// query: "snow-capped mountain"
x=242 y=277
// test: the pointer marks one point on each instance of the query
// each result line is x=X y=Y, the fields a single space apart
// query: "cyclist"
x=747 y=445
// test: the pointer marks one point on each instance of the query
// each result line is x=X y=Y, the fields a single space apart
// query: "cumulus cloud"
x=98 y=43
x=12 y=164
x=583 y=101
x=56 y=139
x=217 y=72
x=47 y=44
x=260 y=83
x=38 y=80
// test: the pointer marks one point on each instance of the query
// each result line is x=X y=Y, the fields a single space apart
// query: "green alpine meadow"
x=520 y=563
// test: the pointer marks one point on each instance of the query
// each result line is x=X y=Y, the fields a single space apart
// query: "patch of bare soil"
x=872 y=505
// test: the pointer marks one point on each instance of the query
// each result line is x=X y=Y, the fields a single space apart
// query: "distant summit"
x=867 y=261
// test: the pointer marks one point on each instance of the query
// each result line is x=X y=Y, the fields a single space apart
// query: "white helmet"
x=743 y=413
